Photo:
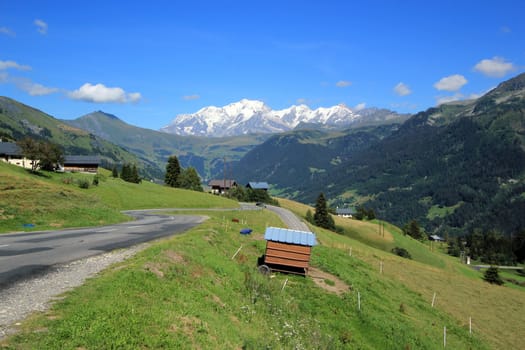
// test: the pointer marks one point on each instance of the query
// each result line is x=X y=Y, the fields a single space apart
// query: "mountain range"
x=454 y=168
x=255 y=117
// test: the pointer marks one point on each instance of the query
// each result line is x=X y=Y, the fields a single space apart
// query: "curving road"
x=24 y=254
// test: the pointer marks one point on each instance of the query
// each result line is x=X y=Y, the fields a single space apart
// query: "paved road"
x=289 y=218
x=24 y=254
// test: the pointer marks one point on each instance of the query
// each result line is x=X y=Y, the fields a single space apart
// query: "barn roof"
x=93 y=160
x=10 y=149
x=258 y=185
x=222 y=183
x=290 y=236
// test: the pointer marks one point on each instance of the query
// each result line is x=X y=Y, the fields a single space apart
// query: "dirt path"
x=334 y=285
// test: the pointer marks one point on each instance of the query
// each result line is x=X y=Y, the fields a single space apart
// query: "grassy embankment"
x=188 y=292
x=54 y=200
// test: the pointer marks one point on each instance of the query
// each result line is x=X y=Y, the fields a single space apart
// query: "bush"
x=491 y=275
x=402 y=252
x=83 y=183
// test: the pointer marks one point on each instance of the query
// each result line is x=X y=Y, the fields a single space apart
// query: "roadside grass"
x=188 y=292
x=30 y=202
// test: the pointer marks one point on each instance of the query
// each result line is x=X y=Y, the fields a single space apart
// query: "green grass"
x=188 y=292
x=55 y=200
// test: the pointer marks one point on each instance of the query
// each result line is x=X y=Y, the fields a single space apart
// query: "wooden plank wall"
x=288 y=254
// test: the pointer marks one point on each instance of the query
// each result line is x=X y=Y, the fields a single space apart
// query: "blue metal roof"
x=258 y=185
x=290 y=236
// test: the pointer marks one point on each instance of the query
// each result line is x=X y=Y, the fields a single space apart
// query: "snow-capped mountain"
x=252 y=116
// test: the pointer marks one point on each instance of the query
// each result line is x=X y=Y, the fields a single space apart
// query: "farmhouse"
x=82 y=164
x=11 y=153
x=258 y=186
x=287 y=250
x=345 y=212
x=221 y=186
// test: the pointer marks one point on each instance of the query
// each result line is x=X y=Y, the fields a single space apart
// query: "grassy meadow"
x=55 y=200
x=193 y=291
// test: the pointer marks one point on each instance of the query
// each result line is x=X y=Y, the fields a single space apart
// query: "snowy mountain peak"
x=253 y=116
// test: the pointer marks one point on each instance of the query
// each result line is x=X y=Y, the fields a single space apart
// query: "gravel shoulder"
x=37 y=293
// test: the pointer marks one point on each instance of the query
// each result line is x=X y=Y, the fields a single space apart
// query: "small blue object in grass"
x=246 y=231
x=29 y=225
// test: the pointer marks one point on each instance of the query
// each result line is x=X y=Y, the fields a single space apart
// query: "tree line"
x=186 y=178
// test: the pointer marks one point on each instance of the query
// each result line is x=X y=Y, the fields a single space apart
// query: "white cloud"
x=41 y=26
x=302 y=101
x=101 y=94
x=7 y=31
x=191 y=97
x=343 y=83
x=496 y=67
x=402 y=89
x=451 y=83
x=32 y=88
x=12 y=64
x=3 y=77
x=360 y=106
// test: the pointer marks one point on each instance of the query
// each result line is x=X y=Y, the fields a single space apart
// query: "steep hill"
x=18 y=120
x=454 y=168
x=205 y=154
x=301 y=157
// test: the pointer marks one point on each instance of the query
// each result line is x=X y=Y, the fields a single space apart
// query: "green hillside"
x=18 y=121
x=190 y=291
x=55 y=200
x=205 y=154
x=455 y=168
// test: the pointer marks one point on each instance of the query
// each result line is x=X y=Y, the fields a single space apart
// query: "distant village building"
x=221 y=186
x=436 y=238
x=258 y=186
x=11 y=153
x=81 y=164
x=345 y=212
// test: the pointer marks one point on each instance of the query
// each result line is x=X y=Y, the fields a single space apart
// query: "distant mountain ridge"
x=455 y=168
x=252 y=117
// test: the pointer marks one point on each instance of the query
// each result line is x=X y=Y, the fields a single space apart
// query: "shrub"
x=491 y=275
x=402 y=252
x=83 y=183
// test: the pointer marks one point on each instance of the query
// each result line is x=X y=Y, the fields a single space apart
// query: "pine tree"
x=125 y=173
x=114 y=172
x=134 y=176
x=172 y=172
x=321 y=216
x=189 y=179
x=309 y=217
x=491 y=275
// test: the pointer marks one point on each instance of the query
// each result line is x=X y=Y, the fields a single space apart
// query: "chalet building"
x=81 y=164
x=221 y=186
x=258 y=186
x=11 y=153
x=345 y=212
x=287 y=251
x=436 y=238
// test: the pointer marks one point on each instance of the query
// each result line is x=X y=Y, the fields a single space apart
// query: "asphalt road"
x=289 y=218
x=25 y=254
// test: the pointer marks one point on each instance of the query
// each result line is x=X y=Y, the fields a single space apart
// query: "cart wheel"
x=264 y=269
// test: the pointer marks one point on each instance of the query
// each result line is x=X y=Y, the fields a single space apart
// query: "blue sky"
x=147 y=61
